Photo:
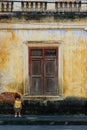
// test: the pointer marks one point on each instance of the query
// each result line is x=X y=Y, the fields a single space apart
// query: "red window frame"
x=30 y=57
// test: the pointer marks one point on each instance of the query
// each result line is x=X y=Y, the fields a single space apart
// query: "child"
x=17 y=106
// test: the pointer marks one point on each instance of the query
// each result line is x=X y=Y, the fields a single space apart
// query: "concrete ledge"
x=44 y=120
x=43 y=98
x=42 y=26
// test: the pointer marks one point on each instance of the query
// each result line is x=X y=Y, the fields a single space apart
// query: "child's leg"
x=15 y=114
x=19 y=113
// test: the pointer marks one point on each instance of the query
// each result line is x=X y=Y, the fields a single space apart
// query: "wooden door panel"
x=49 y=67
x=37 y=86
x=43 y=71
x=37 y=52
x=36 y=67
x=50 y=78
x=50 y=85
x=50 y=52
x=36 y=77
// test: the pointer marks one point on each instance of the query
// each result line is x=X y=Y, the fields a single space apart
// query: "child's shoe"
x=19 y=115
x=15 y=115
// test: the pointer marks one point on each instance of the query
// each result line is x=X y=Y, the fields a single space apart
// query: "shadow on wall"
x=68 y=106
x=6 y=102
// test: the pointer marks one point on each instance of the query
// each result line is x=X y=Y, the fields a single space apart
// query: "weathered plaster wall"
x=74 y=43
x=75 y=64
x=11 y=76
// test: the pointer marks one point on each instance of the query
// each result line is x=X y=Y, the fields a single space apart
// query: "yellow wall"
x=74 y=58
x=75 y=66
x=10 y=62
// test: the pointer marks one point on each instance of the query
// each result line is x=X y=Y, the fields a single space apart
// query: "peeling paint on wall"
x=75 y=65
x=74 y=59
x=11 y=74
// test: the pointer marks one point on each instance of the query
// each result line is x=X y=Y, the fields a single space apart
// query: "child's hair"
x=17 y=96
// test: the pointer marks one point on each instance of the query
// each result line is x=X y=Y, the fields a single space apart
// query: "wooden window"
x=43 y=71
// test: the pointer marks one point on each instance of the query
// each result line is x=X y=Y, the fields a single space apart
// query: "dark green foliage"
x=44 y=16
x=68 y=106
x=6 y=108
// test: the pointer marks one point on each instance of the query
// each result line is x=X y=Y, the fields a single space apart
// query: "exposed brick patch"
x=8 y=97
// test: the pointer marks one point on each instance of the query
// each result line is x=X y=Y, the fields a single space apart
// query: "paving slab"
x=43 y=120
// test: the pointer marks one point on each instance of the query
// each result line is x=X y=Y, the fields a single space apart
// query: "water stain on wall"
x=74 y=62
x=75 y=66
x=11 y=74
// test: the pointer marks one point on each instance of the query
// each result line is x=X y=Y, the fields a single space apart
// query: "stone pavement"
x=43 y=120
x=43 y=127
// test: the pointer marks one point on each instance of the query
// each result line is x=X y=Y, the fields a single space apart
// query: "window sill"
x=43 y=98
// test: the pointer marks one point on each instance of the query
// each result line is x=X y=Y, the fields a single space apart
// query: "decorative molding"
x=60 y=68
x=41 y=26
x=43 y=98
x=50 y=42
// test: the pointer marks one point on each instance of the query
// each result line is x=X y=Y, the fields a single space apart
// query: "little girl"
x=17 y=106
